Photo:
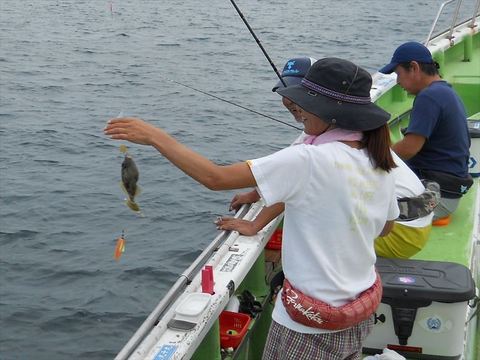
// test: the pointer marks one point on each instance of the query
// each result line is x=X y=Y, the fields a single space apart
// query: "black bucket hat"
x=338 y=91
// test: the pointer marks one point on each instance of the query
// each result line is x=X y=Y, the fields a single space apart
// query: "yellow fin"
x=132 y=205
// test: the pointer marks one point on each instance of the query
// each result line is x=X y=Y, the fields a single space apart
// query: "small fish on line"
x=119 y=247
x=130 y=176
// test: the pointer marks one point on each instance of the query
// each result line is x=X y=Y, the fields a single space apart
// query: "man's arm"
x=387 y=228
x=246 y=227
x=244 y=198
x=268 y=214
x=409 y=146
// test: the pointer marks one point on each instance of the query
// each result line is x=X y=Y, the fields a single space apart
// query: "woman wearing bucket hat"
x=338 y=197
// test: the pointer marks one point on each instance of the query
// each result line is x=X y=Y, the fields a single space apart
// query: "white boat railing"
x=440 y=10
x=454 y=18
x=176 y=290
x=476 y=12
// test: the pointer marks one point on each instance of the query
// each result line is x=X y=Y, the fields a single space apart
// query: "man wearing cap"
x=436 y=143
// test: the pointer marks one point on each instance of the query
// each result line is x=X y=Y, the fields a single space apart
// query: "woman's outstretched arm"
x=207 y=173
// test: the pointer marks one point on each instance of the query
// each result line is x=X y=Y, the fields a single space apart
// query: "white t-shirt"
x=336 y=204
x=407 y=184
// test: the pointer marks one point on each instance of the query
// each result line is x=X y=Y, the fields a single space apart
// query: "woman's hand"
x=244 y=198
x=132 y=129
x=244 y=227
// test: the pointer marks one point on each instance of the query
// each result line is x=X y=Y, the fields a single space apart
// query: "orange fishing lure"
x=119 y=248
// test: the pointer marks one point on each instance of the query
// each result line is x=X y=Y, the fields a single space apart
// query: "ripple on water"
x=9 y=237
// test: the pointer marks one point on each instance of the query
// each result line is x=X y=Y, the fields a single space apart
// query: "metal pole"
x=436 y=19
x=454 y=20
x=475 y=13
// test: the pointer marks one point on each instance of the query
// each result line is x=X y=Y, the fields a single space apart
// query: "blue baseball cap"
x=294 y=71
x=410 y=51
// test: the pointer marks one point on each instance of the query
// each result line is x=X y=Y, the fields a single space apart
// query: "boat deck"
x=453 y=241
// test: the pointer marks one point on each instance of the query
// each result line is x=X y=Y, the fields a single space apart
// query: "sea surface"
x=66 y=67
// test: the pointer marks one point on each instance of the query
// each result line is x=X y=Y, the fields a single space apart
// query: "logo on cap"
x=289 y=68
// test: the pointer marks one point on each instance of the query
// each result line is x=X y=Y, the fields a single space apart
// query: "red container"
x=233 y=327
x=275 y=242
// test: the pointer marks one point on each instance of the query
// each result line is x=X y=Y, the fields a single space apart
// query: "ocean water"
x=66 y=67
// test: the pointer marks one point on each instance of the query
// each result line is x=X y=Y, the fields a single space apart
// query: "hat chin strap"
x=329 y=127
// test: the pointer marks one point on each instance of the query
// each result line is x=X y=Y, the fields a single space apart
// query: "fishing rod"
x=258 y=42
x=230 y=102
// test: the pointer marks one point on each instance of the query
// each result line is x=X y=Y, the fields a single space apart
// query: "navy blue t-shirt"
x=438 y=114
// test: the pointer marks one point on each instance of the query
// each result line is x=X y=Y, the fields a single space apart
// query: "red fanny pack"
x=318 y=314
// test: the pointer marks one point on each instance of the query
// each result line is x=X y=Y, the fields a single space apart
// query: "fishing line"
x=230 y=102
x=258 y=42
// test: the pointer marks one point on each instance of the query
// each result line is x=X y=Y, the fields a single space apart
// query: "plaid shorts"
x=285 y=344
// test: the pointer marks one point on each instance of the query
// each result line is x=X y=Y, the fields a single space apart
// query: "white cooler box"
x=423 y=310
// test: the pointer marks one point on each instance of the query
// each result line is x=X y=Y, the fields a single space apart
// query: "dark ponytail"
x=377 y=142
